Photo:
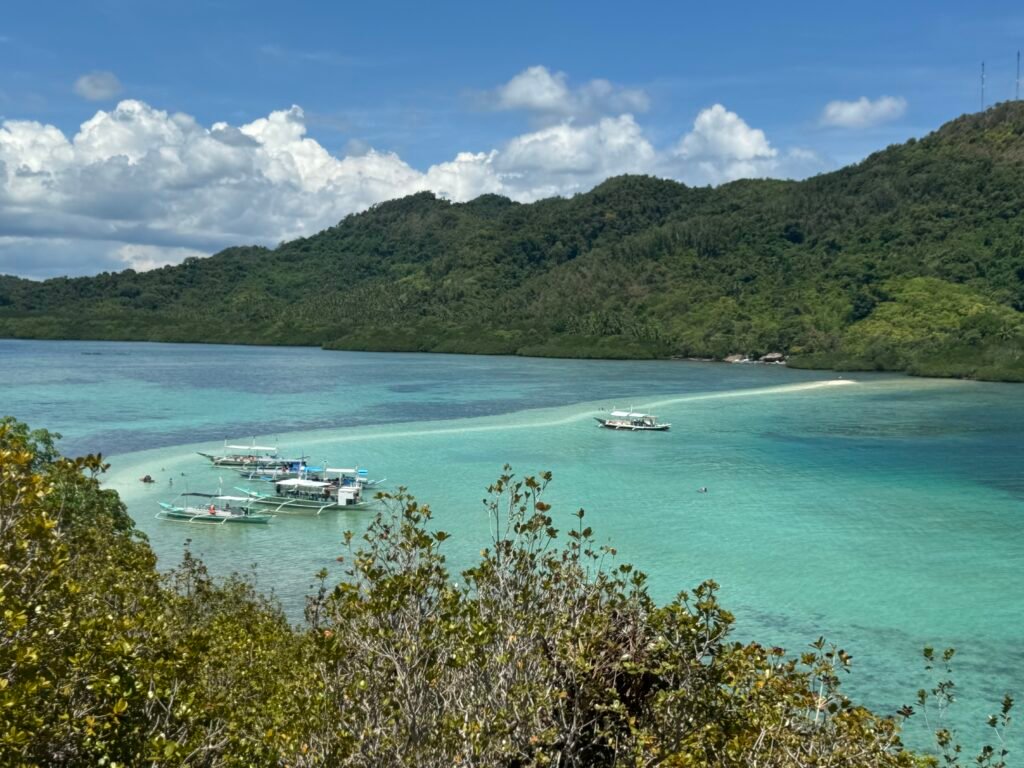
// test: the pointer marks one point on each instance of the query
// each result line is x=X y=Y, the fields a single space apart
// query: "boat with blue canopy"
x=298 y=469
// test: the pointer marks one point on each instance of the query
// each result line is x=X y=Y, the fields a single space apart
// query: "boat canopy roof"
x=250 y=447
x=215 y=496
x=298 y=482
x=630 y=415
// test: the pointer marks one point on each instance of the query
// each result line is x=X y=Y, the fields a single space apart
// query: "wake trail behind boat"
x=585 y=415
x=124 y=475
x=779 y=390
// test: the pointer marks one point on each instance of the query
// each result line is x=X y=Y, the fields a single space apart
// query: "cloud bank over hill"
x=863 y=113
x=138 y=186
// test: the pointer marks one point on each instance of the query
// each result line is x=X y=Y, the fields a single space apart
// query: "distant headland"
x=911 y=260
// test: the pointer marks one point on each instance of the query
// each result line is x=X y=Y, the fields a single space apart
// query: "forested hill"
x=910 y=260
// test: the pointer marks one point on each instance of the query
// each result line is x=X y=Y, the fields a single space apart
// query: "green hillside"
x=910 y=260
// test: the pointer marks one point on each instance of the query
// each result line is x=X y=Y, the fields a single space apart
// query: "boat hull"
x=228 y=461
x=203 y=517
x=292 y=505
x=627 y=427
x=248 y=461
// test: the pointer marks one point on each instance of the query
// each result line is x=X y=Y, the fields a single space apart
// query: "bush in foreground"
x=545 y=653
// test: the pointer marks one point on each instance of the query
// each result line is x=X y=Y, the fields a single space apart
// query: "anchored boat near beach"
x=296 y=469
x=299 y=494
x=249 y=456
x=632 y=421
x=285 y=470
x=212 y=508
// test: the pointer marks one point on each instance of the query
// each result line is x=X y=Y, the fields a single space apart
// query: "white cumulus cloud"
x=138 y=186
x=540 y=91
x=722 y=147
x=98 y=86
x=568 y=158
x=863 y=112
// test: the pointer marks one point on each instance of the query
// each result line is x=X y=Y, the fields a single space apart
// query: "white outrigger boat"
x=299 y=494
x=249 y=456
x=212 y=508
x=632 y=421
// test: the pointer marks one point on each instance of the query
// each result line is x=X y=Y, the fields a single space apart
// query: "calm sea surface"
x=884 y=514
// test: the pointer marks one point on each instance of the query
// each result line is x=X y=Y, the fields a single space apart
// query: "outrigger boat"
x=632 y=421
x=250 y=456
x=297 y=469
x=281 y=471
x=212 y=508
x=299 y=494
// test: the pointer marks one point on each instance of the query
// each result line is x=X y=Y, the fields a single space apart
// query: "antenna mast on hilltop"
x=1016 y=93
x=983 y=86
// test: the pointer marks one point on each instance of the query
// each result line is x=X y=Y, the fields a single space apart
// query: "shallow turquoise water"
x=884 y=514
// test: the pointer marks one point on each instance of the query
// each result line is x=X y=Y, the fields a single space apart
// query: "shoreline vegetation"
x=548 y=651
x=911 y=260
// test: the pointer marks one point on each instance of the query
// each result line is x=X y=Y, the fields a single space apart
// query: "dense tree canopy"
x=546 y=653
x=837 y=270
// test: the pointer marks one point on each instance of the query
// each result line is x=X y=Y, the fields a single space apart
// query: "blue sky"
x=546 y=98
